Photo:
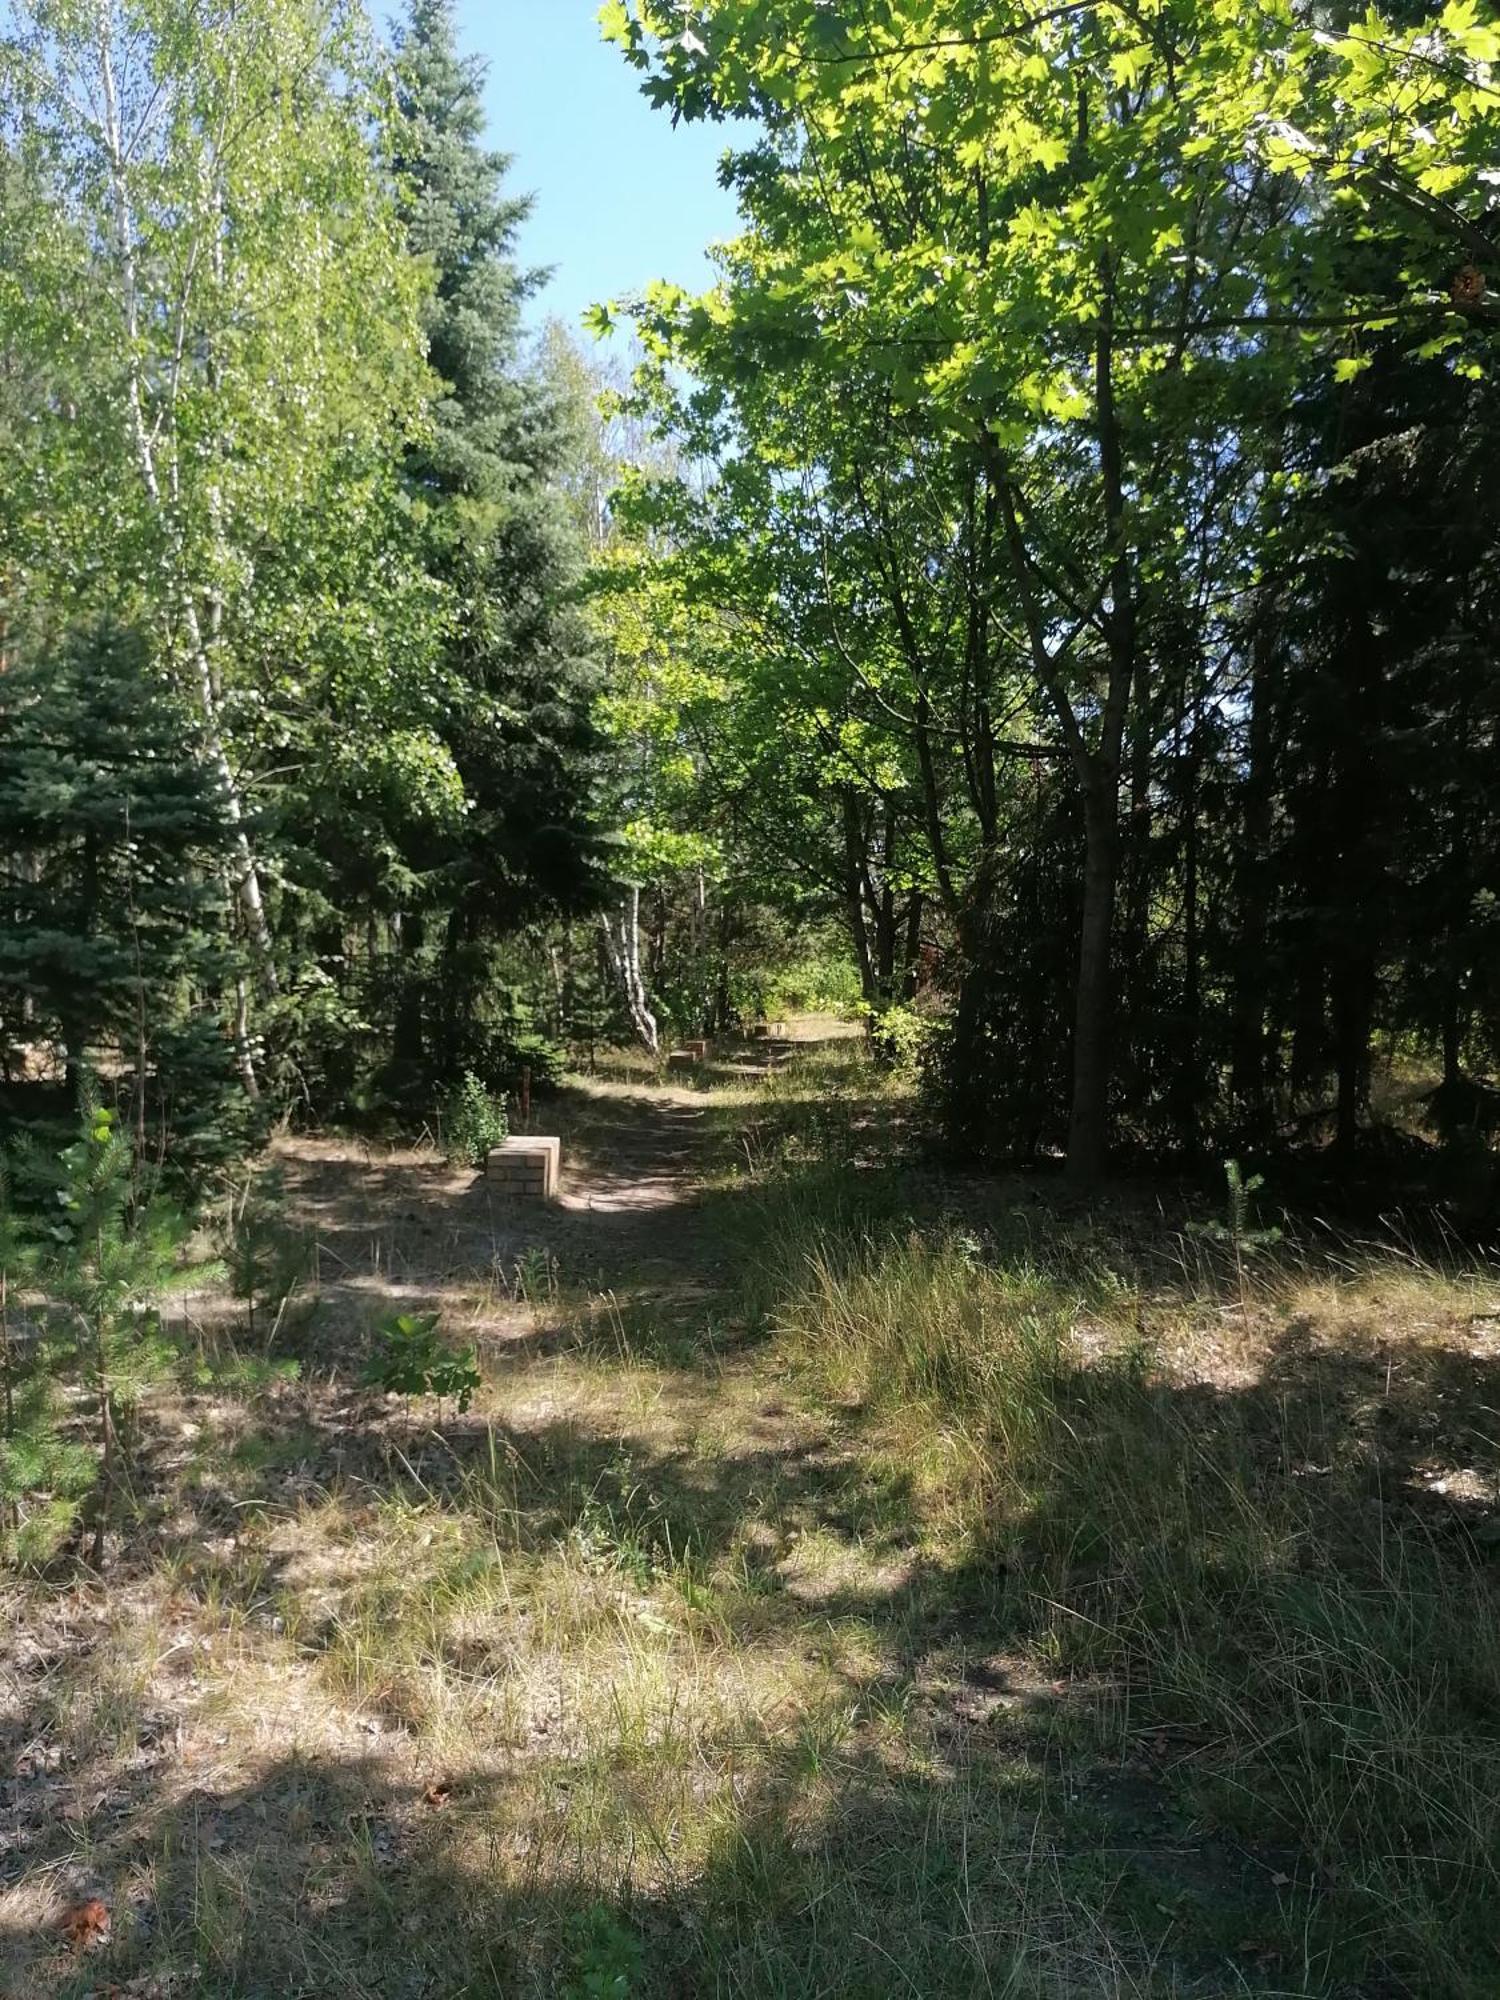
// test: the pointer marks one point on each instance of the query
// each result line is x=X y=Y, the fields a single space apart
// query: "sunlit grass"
x=1241 y=1562
x=939 y=1588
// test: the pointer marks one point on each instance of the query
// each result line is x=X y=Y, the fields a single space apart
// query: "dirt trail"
x=402 y=1224
x=250 y=1695
x=655 y=1154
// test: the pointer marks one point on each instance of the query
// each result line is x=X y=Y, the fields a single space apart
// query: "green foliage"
x=100 y=1257
x=1057 y=555
x=44 y=1474
x=825 y=984
x=119 y=849
x=512 y=755
x=1067 y=595
x=902 y=1037
x=472 y=1122
x=271 y=418
x=214 y=346
x=1235 y=1228
x=545 y=1059
x=607 y=1961
x=411 y=1359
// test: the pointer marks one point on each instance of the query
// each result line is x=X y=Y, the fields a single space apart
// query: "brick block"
x=526 y=1168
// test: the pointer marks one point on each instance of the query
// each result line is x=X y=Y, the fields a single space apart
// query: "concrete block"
x=528 y=1168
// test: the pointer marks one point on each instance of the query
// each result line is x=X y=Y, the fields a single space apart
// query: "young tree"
x=117 y=852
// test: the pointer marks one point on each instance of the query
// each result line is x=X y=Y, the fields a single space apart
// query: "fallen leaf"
x=86 y=1926
x=437 y=1795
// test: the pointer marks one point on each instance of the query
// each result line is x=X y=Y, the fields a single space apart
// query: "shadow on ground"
x=982 y=1791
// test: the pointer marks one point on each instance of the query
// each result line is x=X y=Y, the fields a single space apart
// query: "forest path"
x=658 y=1669
x=374 y=1697
x=400 y=1222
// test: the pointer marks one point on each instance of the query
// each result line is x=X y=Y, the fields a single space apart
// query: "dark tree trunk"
x=1248 y=1064
x=1352 y=1013
x=854 y=896
x=885 y=946
x=722 y=1005
x=1135 y=857
x=409 y=1031
x=911 y=950
x=1088 y=1125
x=1189 y=1077
x=1453 y=1036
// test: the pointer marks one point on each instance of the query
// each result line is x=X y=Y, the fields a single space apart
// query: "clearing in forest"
x=850 y=1579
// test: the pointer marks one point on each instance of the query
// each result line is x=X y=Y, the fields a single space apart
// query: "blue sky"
x=621 y=197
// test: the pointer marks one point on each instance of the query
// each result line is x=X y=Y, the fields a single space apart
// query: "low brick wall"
x=529 y=1169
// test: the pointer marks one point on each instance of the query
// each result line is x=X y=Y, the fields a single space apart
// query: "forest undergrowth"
x=849 y=1577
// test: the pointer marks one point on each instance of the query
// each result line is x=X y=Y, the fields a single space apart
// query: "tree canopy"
x=1044 y=580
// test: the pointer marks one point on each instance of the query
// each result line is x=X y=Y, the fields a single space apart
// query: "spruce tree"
x=498 y=536
x=116 y=873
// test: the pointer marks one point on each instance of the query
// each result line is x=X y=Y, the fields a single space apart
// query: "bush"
x=412 y=1359
x=266 y=1257
x=901 y=1037
x=472 y=1122
x=821 y=985
x=547 y=1060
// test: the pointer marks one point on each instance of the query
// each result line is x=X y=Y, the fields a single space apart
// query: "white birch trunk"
x=622 y=944
x=246 y=875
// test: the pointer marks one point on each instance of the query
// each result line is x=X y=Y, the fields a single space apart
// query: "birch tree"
x=217 y=292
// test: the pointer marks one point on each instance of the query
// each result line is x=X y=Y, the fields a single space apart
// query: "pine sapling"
x=1236 y=1230
x=268 y=1257
x=104 y=1265
x=44 y=1473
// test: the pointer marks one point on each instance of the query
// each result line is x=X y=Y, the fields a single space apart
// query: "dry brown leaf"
x=86 y=1926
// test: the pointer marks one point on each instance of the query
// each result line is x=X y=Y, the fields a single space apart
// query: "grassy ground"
x=851 y=1580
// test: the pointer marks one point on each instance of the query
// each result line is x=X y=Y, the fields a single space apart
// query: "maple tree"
x=1021 y=295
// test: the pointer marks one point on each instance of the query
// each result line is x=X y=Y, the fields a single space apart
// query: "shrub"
x=819 y=985
x=267 y=1257
x=547 y=1060
x=902 y=1037
x=43 y=1474
x=472 y=1122
x=412 y=1359
x=607 y=1958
